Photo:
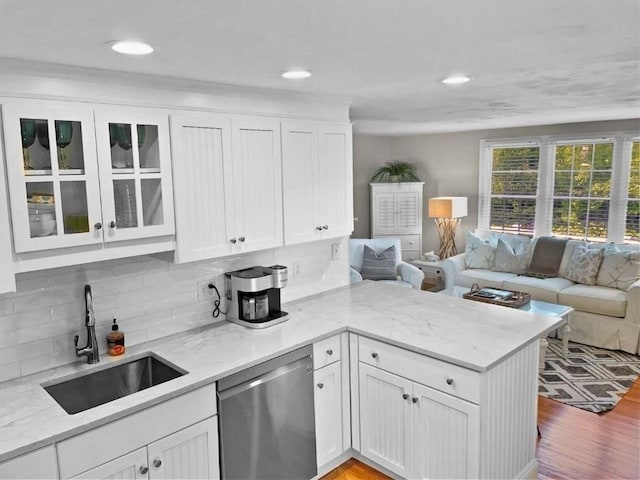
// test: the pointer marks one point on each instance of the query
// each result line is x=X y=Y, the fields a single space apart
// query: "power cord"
x=216 y=303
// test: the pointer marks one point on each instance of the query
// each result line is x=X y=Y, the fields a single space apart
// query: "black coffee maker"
x=253 y=295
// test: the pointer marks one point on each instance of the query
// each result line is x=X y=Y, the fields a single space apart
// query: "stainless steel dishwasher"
x=267 y=426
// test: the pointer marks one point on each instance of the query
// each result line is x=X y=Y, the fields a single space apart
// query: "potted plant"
x=395 y=171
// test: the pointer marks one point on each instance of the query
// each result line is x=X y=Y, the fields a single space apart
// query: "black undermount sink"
x=82 y=393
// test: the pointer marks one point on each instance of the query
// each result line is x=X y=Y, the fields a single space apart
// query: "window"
x=582 y=190
x=514 y=181
x=568 y=187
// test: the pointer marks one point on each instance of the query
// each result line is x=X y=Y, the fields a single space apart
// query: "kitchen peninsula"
x=456 y=379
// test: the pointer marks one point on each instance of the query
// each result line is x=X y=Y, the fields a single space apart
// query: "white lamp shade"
x=447 y=207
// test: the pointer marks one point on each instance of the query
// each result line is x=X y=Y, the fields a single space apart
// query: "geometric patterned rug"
x=593 y=379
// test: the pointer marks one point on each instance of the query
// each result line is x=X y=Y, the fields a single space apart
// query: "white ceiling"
x=533 y=61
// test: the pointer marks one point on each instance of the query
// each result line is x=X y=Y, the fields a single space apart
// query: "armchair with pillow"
x=380 y=259
x=600 y=281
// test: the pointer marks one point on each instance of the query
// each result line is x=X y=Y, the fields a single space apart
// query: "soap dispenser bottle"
x=115 y=341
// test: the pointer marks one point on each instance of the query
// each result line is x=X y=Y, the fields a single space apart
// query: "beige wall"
x=448 y=164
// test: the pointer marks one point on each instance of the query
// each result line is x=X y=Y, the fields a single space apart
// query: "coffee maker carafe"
x=253 y=296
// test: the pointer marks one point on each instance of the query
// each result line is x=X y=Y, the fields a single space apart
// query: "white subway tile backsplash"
x=148 y=295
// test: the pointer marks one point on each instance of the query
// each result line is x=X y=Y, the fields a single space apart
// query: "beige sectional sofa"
x=604 y=316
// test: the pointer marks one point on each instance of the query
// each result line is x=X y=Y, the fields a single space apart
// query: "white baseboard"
x=530 y=472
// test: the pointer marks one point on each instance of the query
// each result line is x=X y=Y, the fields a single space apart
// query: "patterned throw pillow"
x=619 y=269
x=584 y=265
x=478 y=253
x=511 y=259
x=379 y=266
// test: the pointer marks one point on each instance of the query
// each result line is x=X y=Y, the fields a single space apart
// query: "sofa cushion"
x=379 y=265
x=569 y=248
x=545 y=289
x=478 y=253
x=619 y=269
x=512 y=259
x=483 y=277
x=584 y=265
x=595 y=299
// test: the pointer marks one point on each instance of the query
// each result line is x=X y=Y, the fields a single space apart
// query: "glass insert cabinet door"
x=135 y=172
x=53 y=174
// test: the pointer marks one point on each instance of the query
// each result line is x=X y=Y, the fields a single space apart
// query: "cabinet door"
x=189 y=453
x=408 y=212
x=135 y=173
x=53 y=175
x=7 y=276
x=386 y=429
x=38 y=464
x=334 y=195
x=446 y=435
x=383 y=213
x=299 y=176
x=328 y=409
x=257 y=183
x=132 y=466
x=201 y=152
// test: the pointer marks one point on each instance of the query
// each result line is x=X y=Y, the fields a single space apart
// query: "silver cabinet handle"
x=233 y=240
x=143 y=470
x=241 y=239
x=414 y=399
x=319 y=228
x=112 y=224
x=329 y=352
x=325 y=227
x=374 y=355
x=321 y=385
x=157 y=463
x=97 y=226
x=449 y=381
x=405 y=396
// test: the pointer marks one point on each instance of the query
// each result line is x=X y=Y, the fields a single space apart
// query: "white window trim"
x=620 y=171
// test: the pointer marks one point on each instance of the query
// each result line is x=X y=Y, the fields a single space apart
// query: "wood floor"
x=574 y=445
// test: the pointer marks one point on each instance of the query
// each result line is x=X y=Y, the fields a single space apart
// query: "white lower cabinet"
x=189 y=453
x=38 y=464
x=328 y=406
x=416 y=431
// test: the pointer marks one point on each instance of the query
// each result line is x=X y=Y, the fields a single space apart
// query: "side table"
x=434 y=278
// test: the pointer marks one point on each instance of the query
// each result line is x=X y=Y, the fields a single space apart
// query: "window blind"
x=632 y=224
x=514 y=181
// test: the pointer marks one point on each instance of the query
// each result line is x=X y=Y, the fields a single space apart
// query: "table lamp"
x=447 y=212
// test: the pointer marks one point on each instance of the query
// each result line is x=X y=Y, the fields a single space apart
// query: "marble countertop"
x=470 y=334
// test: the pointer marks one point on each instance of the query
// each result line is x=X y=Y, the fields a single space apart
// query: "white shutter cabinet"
x=396 y=211
x=317 y=180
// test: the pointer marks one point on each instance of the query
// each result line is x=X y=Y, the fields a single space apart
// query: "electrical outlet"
x=335 y=250
x=204 y=292
x=295 y=266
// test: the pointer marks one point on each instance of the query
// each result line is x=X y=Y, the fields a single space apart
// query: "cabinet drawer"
x=102 y=444
x=326 y=352
x=410 y=242
x=410 y=256
x=443 y=376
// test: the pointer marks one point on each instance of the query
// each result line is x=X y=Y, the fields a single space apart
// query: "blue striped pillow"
x=379 y=266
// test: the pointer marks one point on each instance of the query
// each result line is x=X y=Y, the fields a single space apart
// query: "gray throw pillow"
x=584 y=265
x=379 y=266
x=510 y=259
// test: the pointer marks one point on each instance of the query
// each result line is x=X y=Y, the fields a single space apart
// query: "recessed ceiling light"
x=296 y=74
x=130 y=47
x=456 y=79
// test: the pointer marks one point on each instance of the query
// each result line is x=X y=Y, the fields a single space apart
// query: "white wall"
x=448 y=164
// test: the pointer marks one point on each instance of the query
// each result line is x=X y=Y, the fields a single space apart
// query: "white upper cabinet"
x=317 y=180
x=201 y=151
x=257 y=184
x=135 y=173
x=76 y=180
x=228 y=187
x=7 y=277
x=53 y=174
